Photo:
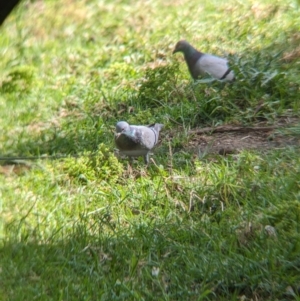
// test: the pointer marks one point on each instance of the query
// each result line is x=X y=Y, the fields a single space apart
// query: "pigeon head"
x=183 y=46
x=121 y=126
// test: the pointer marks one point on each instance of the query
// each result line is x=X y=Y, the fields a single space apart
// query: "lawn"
x=215 y=216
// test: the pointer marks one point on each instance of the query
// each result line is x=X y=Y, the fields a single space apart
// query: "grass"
x=193 y=226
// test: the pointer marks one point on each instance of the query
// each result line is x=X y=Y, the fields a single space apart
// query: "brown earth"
x=232 y=139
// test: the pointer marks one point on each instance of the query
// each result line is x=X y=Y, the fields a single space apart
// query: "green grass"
x=193 y=225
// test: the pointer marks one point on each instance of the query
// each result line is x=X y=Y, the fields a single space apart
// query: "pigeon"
x=136 y=140
x=200 y=63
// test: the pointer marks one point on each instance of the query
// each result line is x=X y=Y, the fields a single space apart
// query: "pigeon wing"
x=149 y=137
x=213 y=65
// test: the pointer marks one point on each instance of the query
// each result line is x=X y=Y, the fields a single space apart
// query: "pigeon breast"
x=136 y=141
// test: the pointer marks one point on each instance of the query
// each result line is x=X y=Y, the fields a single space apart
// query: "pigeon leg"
x=129 y=166
x=146 y=159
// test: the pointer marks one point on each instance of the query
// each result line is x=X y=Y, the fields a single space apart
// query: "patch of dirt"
x=14 y=168
x=292 y=55
x=232 y=139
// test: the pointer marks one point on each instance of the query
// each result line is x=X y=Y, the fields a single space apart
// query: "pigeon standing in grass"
x=201 y=63
x=136 y=140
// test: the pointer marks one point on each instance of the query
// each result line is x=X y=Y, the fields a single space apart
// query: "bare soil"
x=232 y=139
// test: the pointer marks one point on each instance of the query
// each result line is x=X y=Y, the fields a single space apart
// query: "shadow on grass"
x=263 y=91
x=73 y=138
x=169 y=261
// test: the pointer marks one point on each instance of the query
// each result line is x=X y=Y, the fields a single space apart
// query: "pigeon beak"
x=174 y=51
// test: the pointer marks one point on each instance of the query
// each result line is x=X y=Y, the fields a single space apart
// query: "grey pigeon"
x=200 y=63
x=136 y=140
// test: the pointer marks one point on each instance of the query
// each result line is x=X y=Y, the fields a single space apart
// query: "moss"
x=18 y=79
x=99 y=166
